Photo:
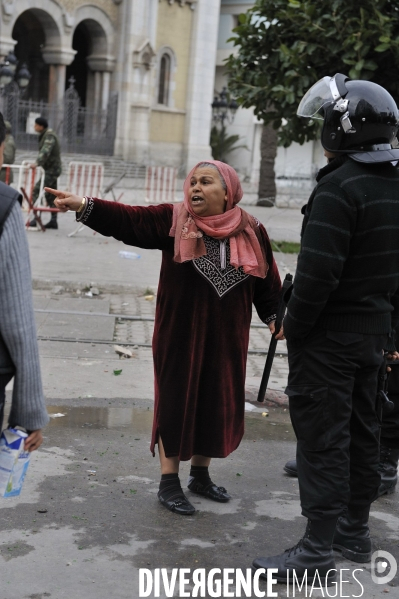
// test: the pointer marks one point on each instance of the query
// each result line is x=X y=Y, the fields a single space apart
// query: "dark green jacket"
x=49 y=153
x=347 y=277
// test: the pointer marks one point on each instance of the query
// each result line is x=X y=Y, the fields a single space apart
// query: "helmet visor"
x=315 y=98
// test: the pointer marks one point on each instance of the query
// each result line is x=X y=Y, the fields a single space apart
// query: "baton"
x=273 y=342
x=384 y=404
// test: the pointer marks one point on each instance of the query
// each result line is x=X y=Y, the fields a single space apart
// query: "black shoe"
x=313 y=554
x=211 y=491
x=178 y=504
x=291 y=468
x=388 y=469
x=32 y=223
x=352 y=535
x=52 y=224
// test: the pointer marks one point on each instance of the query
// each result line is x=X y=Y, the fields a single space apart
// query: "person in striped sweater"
x=343 y=306
x=19 y=352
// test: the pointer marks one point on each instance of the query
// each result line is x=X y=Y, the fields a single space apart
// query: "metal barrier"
x=27 y=182
x=7 y=168
x=85 y=178
x=27 y=179
x=160 y=184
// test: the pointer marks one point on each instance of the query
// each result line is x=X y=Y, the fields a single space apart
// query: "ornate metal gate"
x=80 y=130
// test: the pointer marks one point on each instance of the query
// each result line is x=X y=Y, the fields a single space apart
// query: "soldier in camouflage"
x=50 y=160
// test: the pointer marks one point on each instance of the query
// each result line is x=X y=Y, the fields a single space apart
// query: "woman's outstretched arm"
x=140 y=226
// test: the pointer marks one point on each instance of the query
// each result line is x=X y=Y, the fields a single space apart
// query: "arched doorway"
x=30 y=33
x=78 y=68
x=90 y=42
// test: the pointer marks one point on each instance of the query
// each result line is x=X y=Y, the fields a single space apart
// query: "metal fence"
x=80 y=130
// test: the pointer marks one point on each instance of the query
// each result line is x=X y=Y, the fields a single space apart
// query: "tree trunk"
x=268 y=151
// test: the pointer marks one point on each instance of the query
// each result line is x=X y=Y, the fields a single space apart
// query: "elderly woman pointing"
x=216 y=262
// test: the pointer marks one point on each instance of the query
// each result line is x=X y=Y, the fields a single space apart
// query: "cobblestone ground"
x=140 y=303
x=140 y=332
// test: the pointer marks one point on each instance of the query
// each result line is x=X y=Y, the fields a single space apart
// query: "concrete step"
x=114 y=167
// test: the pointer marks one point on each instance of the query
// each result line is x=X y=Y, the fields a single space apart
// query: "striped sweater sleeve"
x=324 y=250
x=17 y=325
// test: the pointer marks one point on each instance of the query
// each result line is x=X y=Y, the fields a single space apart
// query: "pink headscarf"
x=240 y=227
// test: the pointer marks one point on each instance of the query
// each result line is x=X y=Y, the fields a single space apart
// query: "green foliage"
x=284 y=46
x=286 y=247
x=222 y=144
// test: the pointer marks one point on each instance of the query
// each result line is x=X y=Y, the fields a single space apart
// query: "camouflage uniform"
x=50 y=160
x=8 y=158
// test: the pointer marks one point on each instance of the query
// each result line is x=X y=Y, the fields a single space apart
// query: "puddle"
x=133 y=419
x=137 y=420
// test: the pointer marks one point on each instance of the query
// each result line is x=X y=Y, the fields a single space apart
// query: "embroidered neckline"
x=210 y=267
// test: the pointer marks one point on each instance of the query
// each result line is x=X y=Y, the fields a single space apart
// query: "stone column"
x=58 y=59
x=57 y=76
x=97 y=90
x=152 y=21
x=122 y=76
x=102 y=67
x=134 y=69
x=106 y=79
x=201 y=82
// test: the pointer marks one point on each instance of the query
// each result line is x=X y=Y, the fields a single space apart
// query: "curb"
x=274 y=398
x=71 y=286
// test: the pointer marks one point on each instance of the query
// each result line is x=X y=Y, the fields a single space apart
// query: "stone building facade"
x=163 y=59
x=158 y=56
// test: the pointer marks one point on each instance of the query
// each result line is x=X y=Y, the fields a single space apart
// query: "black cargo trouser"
x=332 y=388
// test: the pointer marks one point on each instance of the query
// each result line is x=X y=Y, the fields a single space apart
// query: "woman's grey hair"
x=223 y=182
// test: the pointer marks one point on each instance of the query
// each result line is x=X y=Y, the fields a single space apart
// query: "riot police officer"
x=342 y=308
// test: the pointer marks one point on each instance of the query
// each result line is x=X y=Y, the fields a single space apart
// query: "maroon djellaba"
x=201 y=332
x=216 y=262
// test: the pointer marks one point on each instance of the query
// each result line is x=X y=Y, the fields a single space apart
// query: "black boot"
x=52 y=224
x=388 y=469
x=312 y=553
x=32 y=223
x=291 y=468
x=352 y=535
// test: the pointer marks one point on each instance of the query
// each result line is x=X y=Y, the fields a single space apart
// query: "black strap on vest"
x=8 y=197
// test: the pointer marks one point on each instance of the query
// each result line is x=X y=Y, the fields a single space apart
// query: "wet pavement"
x=89 y=519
